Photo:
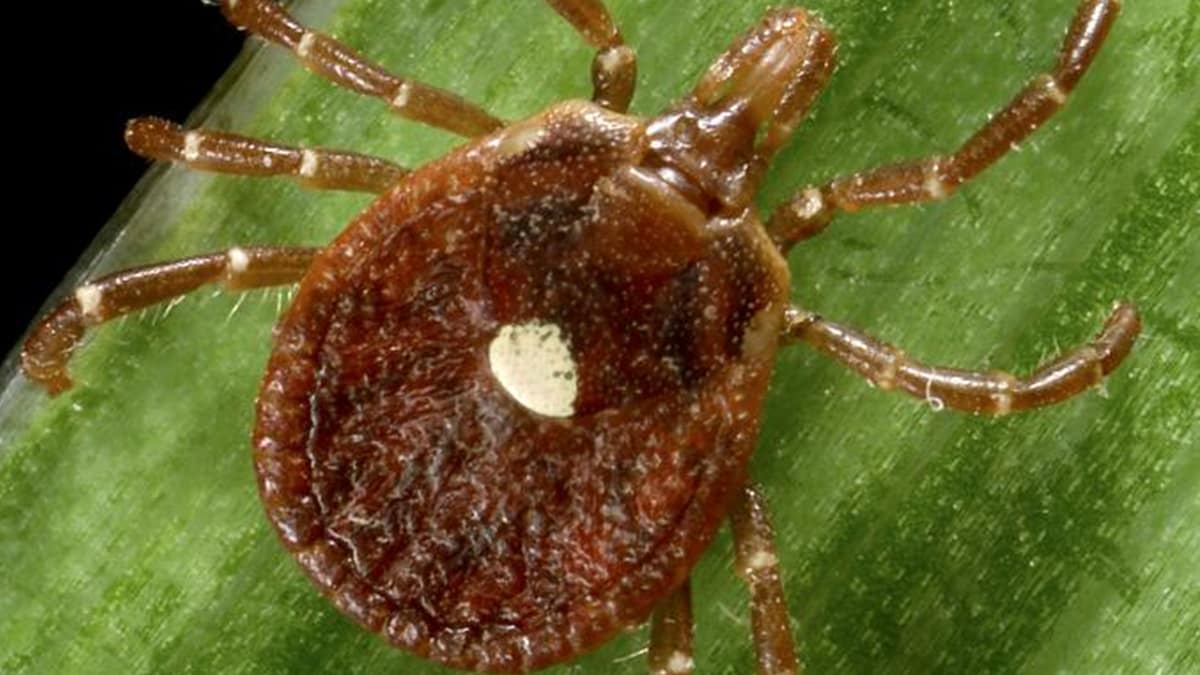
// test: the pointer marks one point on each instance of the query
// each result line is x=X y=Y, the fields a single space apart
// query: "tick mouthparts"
x=768 y=70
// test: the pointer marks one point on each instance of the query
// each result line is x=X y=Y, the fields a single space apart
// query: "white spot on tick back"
x=191 y=146
x=533 y=362
x=88 y=296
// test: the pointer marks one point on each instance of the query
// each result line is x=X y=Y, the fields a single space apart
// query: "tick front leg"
x=48 y=348
x=993 y=392
x=671 y=635
x=343 y=66
x=222 y=152
x=614 y=69
x=757 y=563
x=936 y=177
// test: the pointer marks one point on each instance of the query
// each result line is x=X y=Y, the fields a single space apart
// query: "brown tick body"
x=514 y=400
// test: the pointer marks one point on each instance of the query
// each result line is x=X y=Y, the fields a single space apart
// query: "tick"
x=512 y=402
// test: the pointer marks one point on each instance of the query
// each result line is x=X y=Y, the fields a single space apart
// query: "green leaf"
x=1062 y=540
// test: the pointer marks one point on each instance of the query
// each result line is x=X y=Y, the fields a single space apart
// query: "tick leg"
x=49 y=346
x=991 y=392
x=207 y=150
x=671 y=635
x=614 y=69
x=757 y=563
x=935 y=178
x=343 y=66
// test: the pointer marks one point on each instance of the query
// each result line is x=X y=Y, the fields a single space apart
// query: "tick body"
x=511 y=404
x=420 y=493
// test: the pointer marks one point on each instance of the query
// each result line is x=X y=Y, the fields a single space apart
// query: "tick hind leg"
x=757 y=561
x=992 y=392
x=936 y=177
x=208 y=150
x=614 y=69
x=343 y=66
x=48 y=348
x=670 y=650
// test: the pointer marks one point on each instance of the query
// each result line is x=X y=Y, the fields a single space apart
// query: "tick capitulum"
x=513 y=401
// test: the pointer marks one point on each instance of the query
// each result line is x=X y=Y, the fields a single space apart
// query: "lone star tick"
x=510 y=405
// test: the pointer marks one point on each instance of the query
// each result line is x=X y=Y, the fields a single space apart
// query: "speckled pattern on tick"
x=513 y=401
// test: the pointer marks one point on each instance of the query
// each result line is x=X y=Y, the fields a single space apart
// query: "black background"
x=78 y=72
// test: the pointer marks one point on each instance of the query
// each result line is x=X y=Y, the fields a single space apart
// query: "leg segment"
x=614 y=69
x=322 y=168
x=49 y=346
x=671 y=635
x=993 y=393
x=758 y=563
x=936 y=177
x=343 y=66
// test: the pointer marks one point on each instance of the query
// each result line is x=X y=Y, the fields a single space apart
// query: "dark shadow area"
x=82 y=70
